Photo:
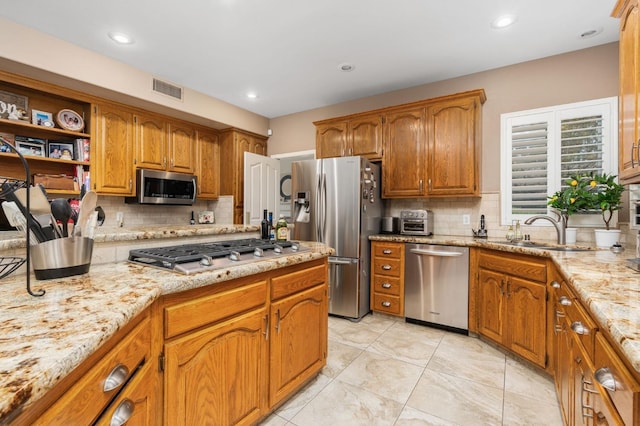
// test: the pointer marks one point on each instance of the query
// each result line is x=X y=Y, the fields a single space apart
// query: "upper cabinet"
x=430 y=148
x=359 y=135
x=208 y=166
x=113 y=146
x=433 y=148
x=163 y=144
x=629 y=81
x=182 y=147
x=233 y=144
x=50 y=145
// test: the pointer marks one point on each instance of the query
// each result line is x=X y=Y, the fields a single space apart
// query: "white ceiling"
x=289 y=51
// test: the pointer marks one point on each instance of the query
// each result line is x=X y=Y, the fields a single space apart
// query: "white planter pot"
x=607 y=238
x=570 y=235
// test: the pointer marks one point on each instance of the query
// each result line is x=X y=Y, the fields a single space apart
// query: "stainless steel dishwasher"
x=436 y=286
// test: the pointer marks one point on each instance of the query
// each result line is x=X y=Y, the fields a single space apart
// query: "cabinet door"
x=208 y=170
x=331 y=140
x=298 y=340
x=151 y=142
x=491 y=309
x=365 y=136
x=404 y=154
x=564 y=366
x=182 y=148
x=629 y=155
x=526 y=319
x=113 y=159
x=453 y=163
x=218 y=374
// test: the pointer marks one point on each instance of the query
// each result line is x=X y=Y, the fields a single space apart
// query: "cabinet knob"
x=123 y=413
x=555 y=284
x=386 y=304
x=564 y=301
x=386 y=267
x=605 y=377
x=580 y=328
x=387 y=251
x=116 y=378
x=386 y=285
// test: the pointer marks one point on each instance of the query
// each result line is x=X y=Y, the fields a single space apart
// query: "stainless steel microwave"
x=159 y=187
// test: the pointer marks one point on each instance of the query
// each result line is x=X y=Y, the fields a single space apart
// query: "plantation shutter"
x=529 y=160
x=581 y=146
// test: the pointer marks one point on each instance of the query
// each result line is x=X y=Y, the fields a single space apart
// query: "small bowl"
x=617 y=248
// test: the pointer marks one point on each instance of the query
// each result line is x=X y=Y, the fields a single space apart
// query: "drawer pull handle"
x=386 y=304
x=123 y=413
x=387 y=251
x=605 y=377
x=555 y=284
x=564 y=301
x=116 y=378
x=580 y=328
x=386 y=267
x=386 y=285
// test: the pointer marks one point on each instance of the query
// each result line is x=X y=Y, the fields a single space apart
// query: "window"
x=542 y=148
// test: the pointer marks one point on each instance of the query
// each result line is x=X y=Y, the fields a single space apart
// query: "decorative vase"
x=607 y=237
x=570 y=235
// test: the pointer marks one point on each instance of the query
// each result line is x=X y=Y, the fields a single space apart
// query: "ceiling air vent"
x=167 y=89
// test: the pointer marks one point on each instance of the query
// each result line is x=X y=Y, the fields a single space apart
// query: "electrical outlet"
x=466 y=219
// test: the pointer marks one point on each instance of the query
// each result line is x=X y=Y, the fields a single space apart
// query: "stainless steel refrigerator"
x=336 y=201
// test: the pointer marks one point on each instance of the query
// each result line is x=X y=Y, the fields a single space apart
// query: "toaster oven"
x=416 y=222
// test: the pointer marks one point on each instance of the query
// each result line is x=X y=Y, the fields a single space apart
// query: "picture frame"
x=42 y=118
x=13 y=106
x=60 y=150
x=27 y=148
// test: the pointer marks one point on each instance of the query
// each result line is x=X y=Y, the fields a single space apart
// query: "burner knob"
x=258 y=252
x=295 y=246
x=235 y=256
x=206 y=260
x=277 y=248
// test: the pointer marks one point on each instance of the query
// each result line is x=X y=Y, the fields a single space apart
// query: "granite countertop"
x=42 y=339
x=603 y=282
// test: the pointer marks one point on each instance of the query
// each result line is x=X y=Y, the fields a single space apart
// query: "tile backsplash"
x=149 y=215
x=448 y=218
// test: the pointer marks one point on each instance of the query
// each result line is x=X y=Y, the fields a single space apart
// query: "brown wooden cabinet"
x=208 y=165
x=236 y=350
x=182 y=147
x=233 y=144
x=113 y=145
x=387 y=277
x=357 y=135
x=512 y=303
x=629 y=86
x=432 y=148
x=151 y=142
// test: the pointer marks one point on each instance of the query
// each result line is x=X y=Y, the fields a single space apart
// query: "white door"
x=261 y=187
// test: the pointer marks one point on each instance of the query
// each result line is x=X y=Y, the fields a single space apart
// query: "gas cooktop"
x=193 y=258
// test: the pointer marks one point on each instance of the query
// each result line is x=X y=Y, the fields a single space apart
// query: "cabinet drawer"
x=294 y=282
x=393 y=250
x=87 y=398
x=192 y=314
x=386 y=303
x=523 y=267
x=608 y=366
x=386 y=285
x=391 y=267
x=582 y=326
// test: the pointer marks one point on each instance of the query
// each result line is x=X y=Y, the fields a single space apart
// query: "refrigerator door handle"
x=318 y=207
x=323 y=208
x=340 y=262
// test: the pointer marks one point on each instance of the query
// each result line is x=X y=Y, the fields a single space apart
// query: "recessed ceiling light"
x=591 y=33
x=121 y=38
x=252 y=95
x=346 y=67
x=503 y=21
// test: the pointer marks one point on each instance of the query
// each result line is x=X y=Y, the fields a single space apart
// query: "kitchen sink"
x=538 y=246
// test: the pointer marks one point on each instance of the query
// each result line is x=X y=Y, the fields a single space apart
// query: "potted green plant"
x=577 y=196
x=607 y=198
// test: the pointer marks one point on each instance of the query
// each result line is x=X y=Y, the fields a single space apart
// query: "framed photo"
x=61 y=151
x=42 y=118
x=27 y=148
x=12 y=106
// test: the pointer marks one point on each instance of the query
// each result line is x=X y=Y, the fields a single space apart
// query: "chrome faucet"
x=560 y=224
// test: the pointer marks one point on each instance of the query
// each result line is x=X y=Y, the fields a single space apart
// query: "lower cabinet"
x=511 y=303
x=234 y=351
x=387 y=277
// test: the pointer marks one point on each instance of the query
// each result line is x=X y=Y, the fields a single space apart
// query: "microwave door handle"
x=195 y=191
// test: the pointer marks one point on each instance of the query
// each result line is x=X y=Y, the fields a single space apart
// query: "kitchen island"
x=45 y=338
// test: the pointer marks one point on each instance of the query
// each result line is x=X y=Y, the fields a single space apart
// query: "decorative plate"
x=70 y=120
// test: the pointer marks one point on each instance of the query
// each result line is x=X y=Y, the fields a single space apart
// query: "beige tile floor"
x=383 y=371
